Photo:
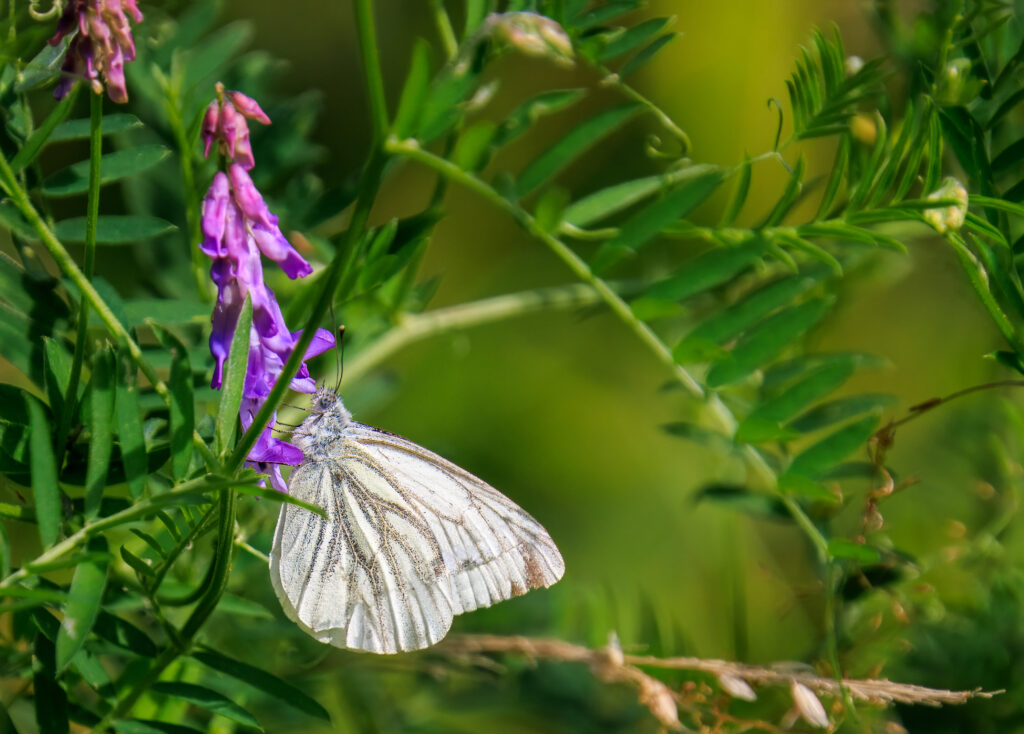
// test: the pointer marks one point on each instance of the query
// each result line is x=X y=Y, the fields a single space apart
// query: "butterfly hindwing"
x=410 y=540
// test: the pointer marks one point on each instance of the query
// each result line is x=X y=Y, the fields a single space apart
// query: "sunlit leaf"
x=528 y=112
x=633 y=37
x=84 y=599
x=646 y=54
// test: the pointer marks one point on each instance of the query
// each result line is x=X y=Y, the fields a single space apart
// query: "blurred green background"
x=563 y=411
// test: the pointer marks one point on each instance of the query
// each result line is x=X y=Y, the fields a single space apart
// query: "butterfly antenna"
x=340 y=352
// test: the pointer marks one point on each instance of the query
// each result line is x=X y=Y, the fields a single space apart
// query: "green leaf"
x=207 y=699
x=101 y=429
x=614 y=199
x=766 y=341
x=143 y=569
x=149 y=540
x=646 y=223
x=45 y=490
x=794 y=187
x=414 y=92
x=118 y=122
x=182 y=407
x=809 y=489
x=528 y=112
x=703 y=342
x=45 y=65
x=707 y=271
x=832 y=449
x=56 y=373
x=782 y=372
x=550 y=208
x=798 y=396
x=476 y=13
x=571 y=145
x=443 y=106
x=646 y=54
x=472 y=149
x=84 y=600
x=859 y=552
x=739 y=196
x=129 y=426
x=113 y=167
x=756 y=503
x=633 y=37
x=841 y=409
x=46 y=131
x=604 y=13
x=262 y=681
x=234 y=379
x=11 y=218
x=114 y=230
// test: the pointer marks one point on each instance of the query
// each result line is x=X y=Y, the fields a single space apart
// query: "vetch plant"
x=139 y=404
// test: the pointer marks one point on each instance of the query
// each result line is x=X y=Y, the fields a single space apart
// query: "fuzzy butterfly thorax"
x=328 y=418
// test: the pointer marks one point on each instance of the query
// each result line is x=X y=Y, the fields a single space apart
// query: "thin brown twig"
x=612 y=666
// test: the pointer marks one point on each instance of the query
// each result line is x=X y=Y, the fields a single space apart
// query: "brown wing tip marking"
x=534 y=572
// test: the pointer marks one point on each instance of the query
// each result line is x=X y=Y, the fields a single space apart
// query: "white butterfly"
x=410 y=539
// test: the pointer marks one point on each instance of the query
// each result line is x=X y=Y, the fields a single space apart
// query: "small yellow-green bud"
x=945 y=218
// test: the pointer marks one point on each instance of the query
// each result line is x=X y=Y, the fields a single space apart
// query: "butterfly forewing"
x=410 y=540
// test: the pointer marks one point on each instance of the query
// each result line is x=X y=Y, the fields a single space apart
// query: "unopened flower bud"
x=853 y=64
x=808 y=705
x=533 y=34
x=948 y=217
x=736 y=687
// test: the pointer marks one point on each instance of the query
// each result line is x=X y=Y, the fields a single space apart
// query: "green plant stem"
x=414 y=327
x=91 y=217
x=978 y=279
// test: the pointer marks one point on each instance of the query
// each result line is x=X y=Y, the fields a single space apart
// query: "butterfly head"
x=327 y=420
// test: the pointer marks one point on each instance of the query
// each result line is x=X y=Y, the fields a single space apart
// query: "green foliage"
x=130 y=467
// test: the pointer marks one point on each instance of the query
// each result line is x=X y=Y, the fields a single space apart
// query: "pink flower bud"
x=248 y=107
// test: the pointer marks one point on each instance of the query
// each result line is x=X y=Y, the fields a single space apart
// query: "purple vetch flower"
x=101 y=44
x=239 y=228
x=225 y=122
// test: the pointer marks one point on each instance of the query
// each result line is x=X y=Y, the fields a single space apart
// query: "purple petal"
x=248 y=198
x=274 y=245
x=215 y=205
